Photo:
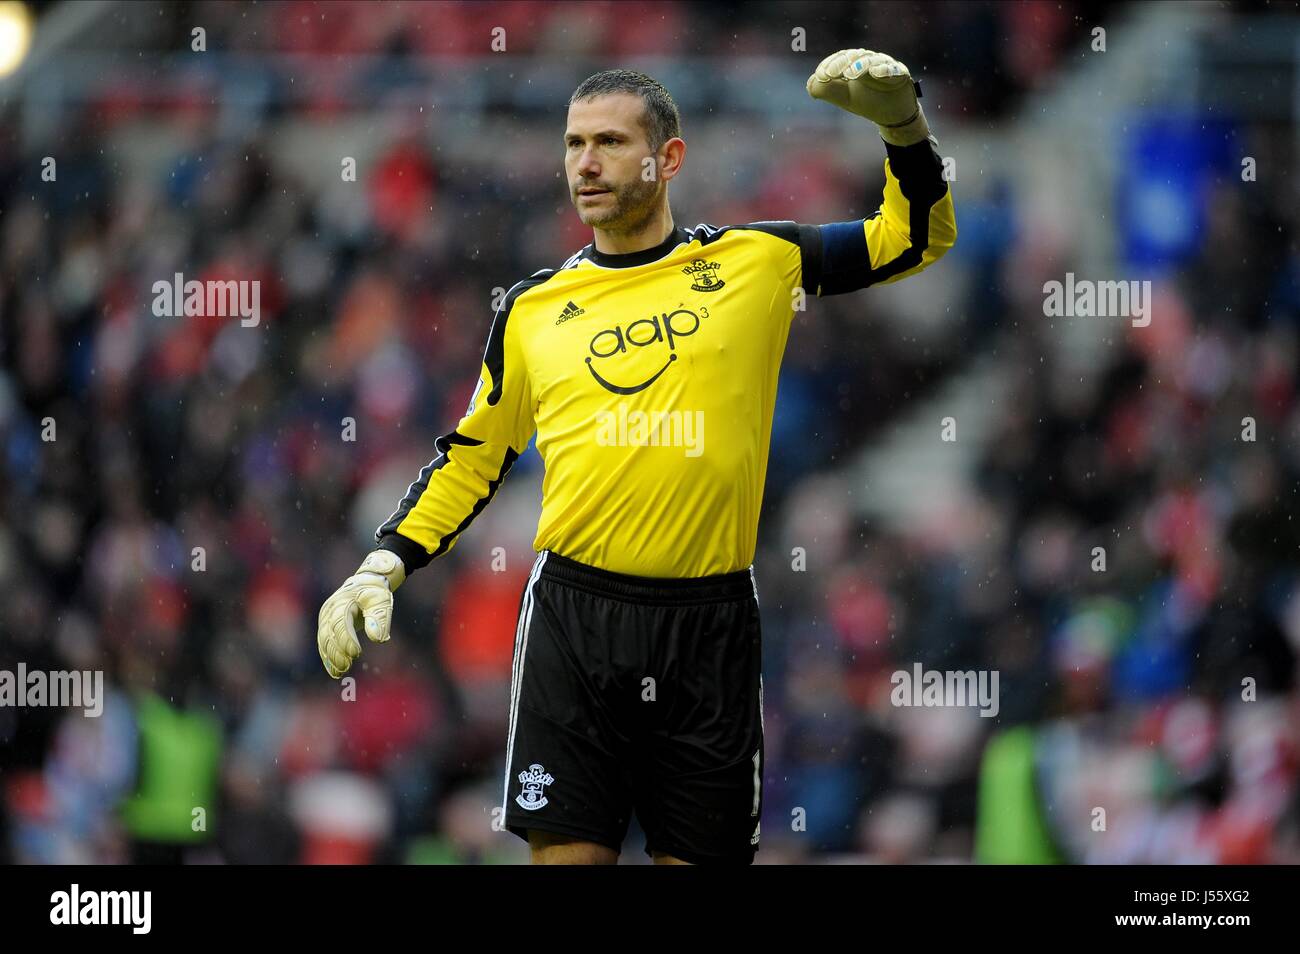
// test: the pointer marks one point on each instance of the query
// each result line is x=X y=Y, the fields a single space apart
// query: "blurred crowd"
x=1011 y=48
x=203 y=493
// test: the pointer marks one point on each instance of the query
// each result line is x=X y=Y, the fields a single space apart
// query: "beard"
x=629 y=207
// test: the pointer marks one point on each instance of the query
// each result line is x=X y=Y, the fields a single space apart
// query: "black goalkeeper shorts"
x=636 y=694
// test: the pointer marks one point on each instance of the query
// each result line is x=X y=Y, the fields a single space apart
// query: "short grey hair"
x=659 y=119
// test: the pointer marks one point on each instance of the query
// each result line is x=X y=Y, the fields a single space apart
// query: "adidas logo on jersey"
x=570 y=311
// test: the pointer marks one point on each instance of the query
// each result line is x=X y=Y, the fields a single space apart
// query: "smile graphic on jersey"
x=663 y=328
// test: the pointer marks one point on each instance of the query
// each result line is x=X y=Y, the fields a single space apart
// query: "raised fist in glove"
x=875 y=86
x=363 y=602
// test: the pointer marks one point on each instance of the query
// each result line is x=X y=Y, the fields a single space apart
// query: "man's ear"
x=671 y=155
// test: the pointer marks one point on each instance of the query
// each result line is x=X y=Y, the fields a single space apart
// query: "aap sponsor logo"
x=661 y=332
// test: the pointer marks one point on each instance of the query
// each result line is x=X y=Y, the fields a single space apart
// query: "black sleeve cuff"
x=919 y=169
x=412 y=555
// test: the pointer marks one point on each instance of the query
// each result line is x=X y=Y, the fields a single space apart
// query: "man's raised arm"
x=915 y=225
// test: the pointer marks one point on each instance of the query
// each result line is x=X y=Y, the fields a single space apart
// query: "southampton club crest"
x=705 y=275
x=534 y=782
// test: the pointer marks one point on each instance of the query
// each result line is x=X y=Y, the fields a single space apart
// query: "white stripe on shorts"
x=517 y=672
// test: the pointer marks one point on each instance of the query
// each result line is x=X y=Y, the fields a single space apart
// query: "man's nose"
x=588 y=167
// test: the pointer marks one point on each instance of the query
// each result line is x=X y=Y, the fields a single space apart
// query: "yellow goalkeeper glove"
x=363 y=602
x=875 y=86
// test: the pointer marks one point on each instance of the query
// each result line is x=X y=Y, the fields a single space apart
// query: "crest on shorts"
x=534 y=782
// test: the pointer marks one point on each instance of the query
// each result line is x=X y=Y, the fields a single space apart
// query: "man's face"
x=604 y=154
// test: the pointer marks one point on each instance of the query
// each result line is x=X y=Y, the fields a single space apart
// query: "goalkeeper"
x=636 y=684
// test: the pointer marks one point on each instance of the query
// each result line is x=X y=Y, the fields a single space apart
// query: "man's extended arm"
x=450 y=491
x=915 y=224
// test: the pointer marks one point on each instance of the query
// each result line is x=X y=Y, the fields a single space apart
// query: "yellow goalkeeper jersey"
x=649 y=380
